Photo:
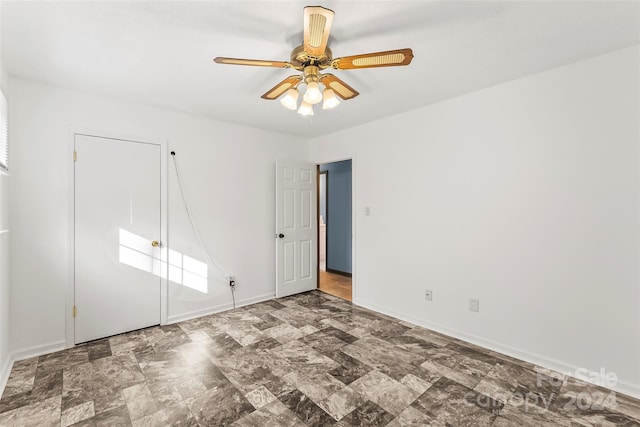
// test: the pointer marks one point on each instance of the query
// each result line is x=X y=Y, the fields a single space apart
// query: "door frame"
x=353 y=221
x=326 y=208
x=164 y=223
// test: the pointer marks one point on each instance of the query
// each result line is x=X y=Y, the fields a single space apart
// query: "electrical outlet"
x=428 y=294
x=474 y=305
x=232 y=281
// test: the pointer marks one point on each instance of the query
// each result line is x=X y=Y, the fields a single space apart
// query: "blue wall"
x=338 y=215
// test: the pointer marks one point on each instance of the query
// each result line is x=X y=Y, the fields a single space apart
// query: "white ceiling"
x=160 y=52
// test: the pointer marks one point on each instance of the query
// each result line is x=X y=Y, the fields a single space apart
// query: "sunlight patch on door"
x=137 y=252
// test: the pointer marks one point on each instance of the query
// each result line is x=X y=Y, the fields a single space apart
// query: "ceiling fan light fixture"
x=312 y=58
x=312 y=94
x=290 y=99
x=305 y=109
x=330 y=99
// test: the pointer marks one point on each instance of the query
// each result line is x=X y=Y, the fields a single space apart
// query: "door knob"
x=155 y=243
x=281 y=236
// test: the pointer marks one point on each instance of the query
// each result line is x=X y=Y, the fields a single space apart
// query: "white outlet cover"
x=474 y=305
x=428 y=295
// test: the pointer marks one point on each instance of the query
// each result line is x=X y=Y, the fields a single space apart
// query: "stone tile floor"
x=310 y=359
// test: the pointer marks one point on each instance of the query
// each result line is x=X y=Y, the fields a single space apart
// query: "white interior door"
x=117 y=220
x=296 y=228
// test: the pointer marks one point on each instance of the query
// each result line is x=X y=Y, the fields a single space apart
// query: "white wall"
x=4 y=277
x=524 y=195
x=228 y=173
x=5 y=362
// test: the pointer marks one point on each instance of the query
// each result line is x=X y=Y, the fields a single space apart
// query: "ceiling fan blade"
x=254 y=62
x=341 y=89
x=389 y=58
x=317 y=25
x=282 y=87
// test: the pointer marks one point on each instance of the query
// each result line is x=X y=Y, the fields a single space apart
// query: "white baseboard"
x=627 y=388
x=6 y=370
x=621 y=386
x=218 y=308
x=26 y=354
x=38 y=350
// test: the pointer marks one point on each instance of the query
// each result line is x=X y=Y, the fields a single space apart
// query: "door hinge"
x=75 y=311
x=75 y=156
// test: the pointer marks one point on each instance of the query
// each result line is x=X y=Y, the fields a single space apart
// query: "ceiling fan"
x=314 y=56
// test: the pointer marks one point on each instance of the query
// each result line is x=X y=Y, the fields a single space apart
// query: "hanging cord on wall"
x=220 y=272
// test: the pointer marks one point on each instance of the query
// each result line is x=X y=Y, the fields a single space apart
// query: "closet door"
x=117 y=236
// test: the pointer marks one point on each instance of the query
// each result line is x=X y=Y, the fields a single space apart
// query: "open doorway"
x=335 y=229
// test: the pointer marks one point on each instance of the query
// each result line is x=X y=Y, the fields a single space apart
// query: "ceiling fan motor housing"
x=300 y=58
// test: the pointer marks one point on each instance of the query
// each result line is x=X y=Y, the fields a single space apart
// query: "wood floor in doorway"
x=336 y=285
